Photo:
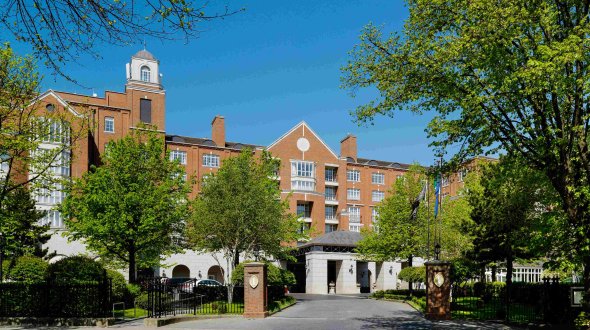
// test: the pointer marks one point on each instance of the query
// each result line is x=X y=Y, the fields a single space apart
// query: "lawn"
x=476 y=308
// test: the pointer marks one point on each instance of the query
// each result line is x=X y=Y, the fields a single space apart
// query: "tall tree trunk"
x=233 y=263
x=494 y=270
x=410 y=283
x=132 y=266
x=509 y=266
x=482 y=273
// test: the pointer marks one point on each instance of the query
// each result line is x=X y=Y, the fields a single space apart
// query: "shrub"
x=413 y=274
x=119 y=285
x=28 y=269
x=276 y=275
x=142 y=300
x=582 y=322
x=398 y=294
x=76 y=269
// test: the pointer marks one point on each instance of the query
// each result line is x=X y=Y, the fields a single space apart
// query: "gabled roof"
x=306 y=126
x=59 y=99
x=336 y=238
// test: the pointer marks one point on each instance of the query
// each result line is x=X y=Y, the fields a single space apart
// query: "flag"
x=436 y=195
x=417 y=201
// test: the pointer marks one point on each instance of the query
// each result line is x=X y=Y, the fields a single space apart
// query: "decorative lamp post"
x=436 y=251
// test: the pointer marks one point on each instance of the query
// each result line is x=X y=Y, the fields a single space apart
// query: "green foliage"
x=398 y=294
x=508 y=76
x=119 y=285
x=275 y=275
x=240 y=207
x=413 y=274
x=507 y=207
x=142 y=300
x=28 y=269
x=134 y=290
x=76 y=269
x=402 y=233
x=131 y=208
x=582 y=322
x=278 y=305
x=463 y=269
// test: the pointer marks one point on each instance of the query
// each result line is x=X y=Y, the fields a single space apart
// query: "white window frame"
x=374 y=214
x=381 y=177
x=445 y=181
x=353 y=194
x=145 y=73
x=377 y=195
x=354 y=214
x=331 y=215
x=330 y=196
x=353 y=175
x=109 y=124
x=178 y=155
x=210 y=160
x=302 y=169
x=302 y=185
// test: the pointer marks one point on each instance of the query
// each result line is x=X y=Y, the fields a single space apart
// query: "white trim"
x=305 y=125
x=331 y=165
x=59 y=99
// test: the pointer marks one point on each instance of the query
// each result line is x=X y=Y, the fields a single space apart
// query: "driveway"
x=337 y=312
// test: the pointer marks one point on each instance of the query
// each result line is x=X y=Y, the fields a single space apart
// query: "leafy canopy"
x=131 y=209
x=240 y=208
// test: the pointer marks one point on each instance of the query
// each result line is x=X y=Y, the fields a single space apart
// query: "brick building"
x=332 y=191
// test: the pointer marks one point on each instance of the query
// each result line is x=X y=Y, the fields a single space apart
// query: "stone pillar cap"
x=252 y=264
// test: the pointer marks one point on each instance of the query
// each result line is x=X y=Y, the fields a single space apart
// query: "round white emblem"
x=439 y=279
x=253 y=281
x=303 y=144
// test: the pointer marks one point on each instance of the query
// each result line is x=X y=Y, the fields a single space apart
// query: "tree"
x=130 y=210
x=506 y=210
x=33 y=144
x=239 y=210
x=60 y=31
x=23 y=234
x=510 y=76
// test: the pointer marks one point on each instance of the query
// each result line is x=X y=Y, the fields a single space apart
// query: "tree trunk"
x=410 y=283
x=132 y=266
x=586 y=301
x=235 y=260
x=482 y=274
x=509 y=266
x=494 y=270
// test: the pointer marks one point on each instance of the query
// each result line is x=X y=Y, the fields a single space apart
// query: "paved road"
x=336 y=312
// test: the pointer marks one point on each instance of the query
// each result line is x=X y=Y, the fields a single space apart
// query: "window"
x=330 y=193
x=353 y=175
x=210 y=160
x=53 y=219
x=145 y=110
x=330 y=213
x=304 y=210
x=331 y=227
x=462 y=174
x=145 y=73
x=354 y=214
x=353 y=194
x=302 y=185
x=109 y=124
x=356 y=227
x=445 y=181
x=378 y=178
x=4 y=163
x=374 y=214
x=331 y=174
x=302 y=169
x=54 y=131
x=178 y=155
x=377 y=196
x=49 y=194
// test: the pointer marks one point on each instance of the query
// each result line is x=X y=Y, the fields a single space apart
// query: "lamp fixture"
x=351 y=270
x=200 y=275
x=436 y=251
x=390 y=270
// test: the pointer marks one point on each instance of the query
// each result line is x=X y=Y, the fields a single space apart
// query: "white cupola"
x=144 y=69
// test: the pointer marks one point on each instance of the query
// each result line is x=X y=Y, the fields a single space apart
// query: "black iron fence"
x=547 y=302
x=188 y=297
x=55 y=299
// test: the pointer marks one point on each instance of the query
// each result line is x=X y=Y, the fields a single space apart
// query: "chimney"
x=348 y=146
x=218 y=131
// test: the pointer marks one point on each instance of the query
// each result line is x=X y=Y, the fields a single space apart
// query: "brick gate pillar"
x=438 y=290
x=255 y=304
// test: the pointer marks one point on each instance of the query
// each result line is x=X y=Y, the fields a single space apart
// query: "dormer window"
x=145 y=73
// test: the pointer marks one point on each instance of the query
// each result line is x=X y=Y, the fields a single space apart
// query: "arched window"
x=145 y=73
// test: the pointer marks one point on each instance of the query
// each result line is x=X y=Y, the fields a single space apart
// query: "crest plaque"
x=253 y=281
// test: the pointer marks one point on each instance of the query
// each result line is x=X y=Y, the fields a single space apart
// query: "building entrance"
x=332 y=274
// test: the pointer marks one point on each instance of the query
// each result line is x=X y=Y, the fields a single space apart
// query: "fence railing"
x=55 y=299
x=547 y=302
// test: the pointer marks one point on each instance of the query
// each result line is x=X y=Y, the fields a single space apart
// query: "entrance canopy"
x=336 y=241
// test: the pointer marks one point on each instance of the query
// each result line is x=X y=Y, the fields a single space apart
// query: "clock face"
x=439 y=279
x=303 y=144
x=253 y=281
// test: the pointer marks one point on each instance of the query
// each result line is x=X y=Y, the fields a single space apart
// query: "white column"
x=316 y=274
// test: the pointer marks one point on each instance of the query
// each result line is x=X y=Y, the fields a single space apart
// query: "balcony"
x=331 y=219
x=331 y=199
x=331 y=177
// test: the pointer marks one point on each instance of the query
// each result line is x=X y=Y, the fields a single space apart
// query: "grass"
x=279 y=305
x=139 y=312
x=220 y=307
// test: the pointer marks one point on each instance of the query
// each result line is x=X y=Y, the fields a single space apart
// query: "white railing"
x=355 y=227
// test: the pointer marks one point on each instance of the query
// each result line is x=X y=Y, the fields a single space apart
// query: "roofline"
x=303 y=123
x=59 y=99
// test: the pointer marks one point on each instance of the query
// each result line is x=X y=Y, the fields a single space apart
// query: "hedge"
x=28 y=269
x=275 y=275
x=76 y=269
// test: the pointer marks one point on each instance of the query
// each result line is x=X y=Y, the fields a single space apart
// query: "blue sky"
x=266 y=69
